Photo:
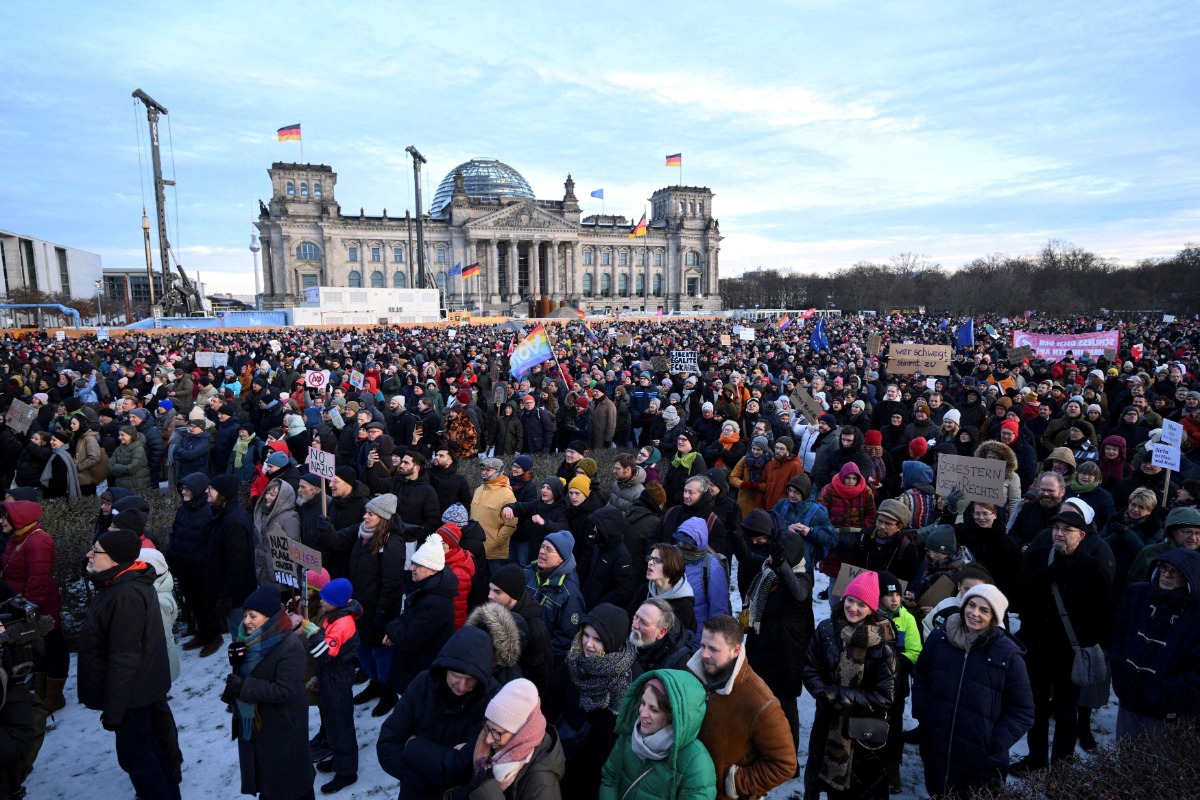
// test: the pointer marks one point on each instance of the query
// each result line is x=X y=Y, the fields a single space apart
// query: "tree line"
x=1060 y=279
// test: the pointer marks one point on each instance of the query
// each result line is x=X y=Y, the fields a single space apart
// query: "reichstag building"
x=534 y=255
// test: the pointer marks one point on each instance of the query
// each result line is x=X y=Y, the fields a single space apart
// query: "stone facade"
x=534 y=255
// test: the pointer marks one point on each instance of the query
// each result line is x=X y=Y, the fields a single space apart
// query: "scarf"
x=1083 y=488
x=848 y=492
x=838 y=758
x=760 y=590
x=601 y=680
x=684 y=461
x=62 y=452
x=506 y=764
x=258 y=644
x=959 y=635
x=655 y=747
x=240 y=448
x=754 y=466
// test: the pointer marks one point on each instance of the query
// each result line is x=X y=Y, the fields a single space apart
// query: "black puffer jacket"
x=422 y=628
x=31 y=462
x=122 y=646
x=437 y=720
x=610 y=578
x=378 y=581
x=156 y=450
x=416 y=504
x=188 y=548
x=230 y=555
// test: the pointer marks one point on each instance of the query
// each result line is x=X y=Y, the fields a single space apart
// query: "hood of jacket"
x=697 y=529
x=1188 y=563
x=688 y=704
x=197 y=482
x=1002 y=450
x=916 y=473
x=468 y=651
x=610 y=525
x=500 y=624
x=22 y=513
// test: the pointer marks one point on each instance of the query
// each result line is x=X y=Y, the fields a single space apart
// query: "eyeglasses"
x=1062 y=529
x=653 y=560
x=495 y=734
x=98 y=552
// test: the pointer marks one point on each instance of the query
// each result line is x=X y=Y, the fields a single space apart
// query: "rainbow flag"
x=531 y=352
x=471 y=271
x=640 y=228
x=580 y=312
x=290 y=133
x=675 y=160
x=783 y=322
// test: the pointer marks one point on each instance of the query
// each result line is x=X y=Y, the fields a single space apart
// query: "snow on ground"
x=79 y=758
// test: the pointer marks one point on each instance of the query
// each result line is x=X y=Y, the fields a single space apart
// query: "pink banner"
x=1055 y=346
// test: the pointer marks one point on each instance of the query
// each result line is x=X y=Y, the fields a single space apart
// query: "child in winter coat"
x=908 y=648
x=334 y=645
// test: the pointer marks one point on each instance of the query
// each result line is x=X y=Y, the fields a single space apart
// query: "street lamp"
x=100 y=300
x=255 y=247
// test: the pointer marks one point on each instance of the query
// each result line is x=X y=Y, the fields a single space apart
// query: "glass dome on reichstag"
x=485 y=179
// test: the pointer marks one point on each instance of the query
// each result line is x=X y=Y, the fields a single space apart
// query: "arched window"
x=307 y=251
x=377 y=280
x=700 y=206
x=606 y=285
x=316 y=188
x=641 y=285
x=441 y=279
x=303 y=188
x=399 y=280
x=588 y=289
x=692 y=258
x=623 y=284
x=587 y=258
x=291 y=188
x=658 y=285
x=354 y=279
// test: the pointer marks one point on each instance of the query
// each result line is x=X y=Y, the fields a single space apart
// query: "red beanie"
x=463 y=397
x=450 y=534
x=581 y=401
x=1012 y=425
x=918 y=447
x=873 y=438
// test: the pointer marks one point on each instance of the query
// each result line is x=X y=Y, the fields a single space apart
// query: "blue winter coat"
x=705 y=574
x=1155 y=653
x=561 y=599
x=972 y=705
x=191 y=454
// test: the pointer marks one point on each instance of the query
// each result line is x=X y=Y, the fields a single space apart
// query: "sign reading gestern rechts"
x=980 y=480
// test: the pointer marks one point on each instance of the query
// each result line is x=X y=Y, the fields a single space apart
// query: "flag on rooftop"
x=675 y=160
x=598 y=194
x=640 y=228
x=290 y=133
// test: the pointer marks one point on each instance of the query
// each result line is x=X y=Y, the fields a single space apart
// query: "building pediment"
x=522 y=217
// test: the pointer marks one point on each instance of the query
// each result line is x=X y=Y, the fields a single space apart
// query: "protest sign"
x=1055 y=346
x=725 y=340
x=809 y=407
x=684 y=361
x=60 y=335
x=1166 y=457
x=102 y=334
x=942 y=588
x=874 y=342
x=1016 y=354
x=746 y=334
x=451 y=333
x=1172 y=433
x=357 y=379
x=848 y=573
x=928 y=359
x=979 y=479
x=1168 y=317
x=624 y=340
x=290 y=560
x=315 y=378
x=208 y=358
x=321 y=463
x=275 y=345
x=20 y=416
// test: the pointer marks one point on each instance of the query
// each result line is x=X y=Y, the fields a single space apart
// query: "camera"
x=21 y=640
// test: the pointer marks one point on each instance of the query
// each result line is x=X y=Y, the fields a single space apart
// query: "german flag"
x=290 y=133
x=675 y=160
x=471 y=271
x=639 y=229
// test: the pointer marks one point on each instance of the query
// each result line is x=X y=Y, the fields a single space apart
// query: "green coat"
x=128 y=467
x=687 y=773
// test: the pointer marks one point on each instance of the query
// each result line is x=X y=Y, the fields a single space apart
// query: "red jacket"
x=462 y=564
x=28 y=560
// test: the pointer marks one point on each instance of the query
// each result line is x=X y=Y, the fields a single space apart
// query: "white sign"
x=1172 y=433
x=684 y=361
x=356 y=379
x=60 y=335
x=1168 y=317
x=205 y=358
x=322 y=463
x=315 y=378
x=1166 y=457
x=346 y=338
x=102 y=334
x=746 y=334
x=450 y=334
x=276 y=346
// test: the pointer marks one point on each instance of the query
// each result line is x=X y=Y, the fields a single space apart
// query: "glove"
x=224 y=606
x=233 y=687
x=953 y=499
x=750 y=484
x=237 y=655
x=830 y=695
x=308 y=627
x=775 y=551
x=107 y=723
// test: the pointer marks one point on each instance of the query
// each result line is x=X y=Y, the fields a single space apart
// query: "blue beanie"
x=277 y=459
x=563 y=542
x=165 y=405
x=524 y=462
x=337 y=592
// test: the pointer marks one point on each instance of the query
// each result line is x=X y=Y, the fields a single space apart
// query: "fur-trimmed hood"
x=499 y=623
x=999 y=448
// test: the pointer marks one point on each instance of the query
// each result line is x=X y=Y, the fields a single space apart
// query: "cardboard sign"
x=725 y=340
x=20 y=416
x=684 y=361
x=1172 y=433
x=102 y=334
x=1166 y=457
x=848 y=573
x=874 y=342
x=315 y=378
x=928 y=359
x=1110 y=355
x=624 y=340
x=357 y=379
x=979 y=479
x=322 y=463
x=660 y=364
x=1016 y=354
x=942 y=588
x=809 y=407
x=346 y=338
x=290 y=560
x=500 y=394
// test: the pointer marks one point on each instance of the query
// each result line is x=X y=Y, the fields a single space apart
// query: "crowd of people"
x=550 y=630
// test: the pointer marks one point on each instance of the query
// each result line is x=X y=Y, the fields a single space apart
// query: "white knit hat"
x=994 y=598
x=430 y=554
x=512 y=705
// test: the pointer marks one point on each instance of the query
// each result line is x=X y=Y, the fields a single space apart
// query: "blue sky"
x=831 y=132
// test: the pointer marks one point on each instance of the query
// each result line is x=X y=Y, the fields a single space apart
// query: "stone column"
x=576 y=260
x=513 y=255
x=493 y=271
x=535 y=269
x=552 y=273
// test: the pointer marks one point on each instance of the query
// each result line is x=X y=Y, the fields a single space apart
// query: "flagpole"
x=301 y=127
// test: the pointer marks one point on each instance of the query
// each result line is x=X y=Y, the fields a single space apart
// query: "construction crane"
x=180 y=296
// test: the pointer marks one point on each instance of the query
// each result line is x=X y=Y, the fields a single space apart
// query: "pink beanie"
x=865 y=587
x=317 y=580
